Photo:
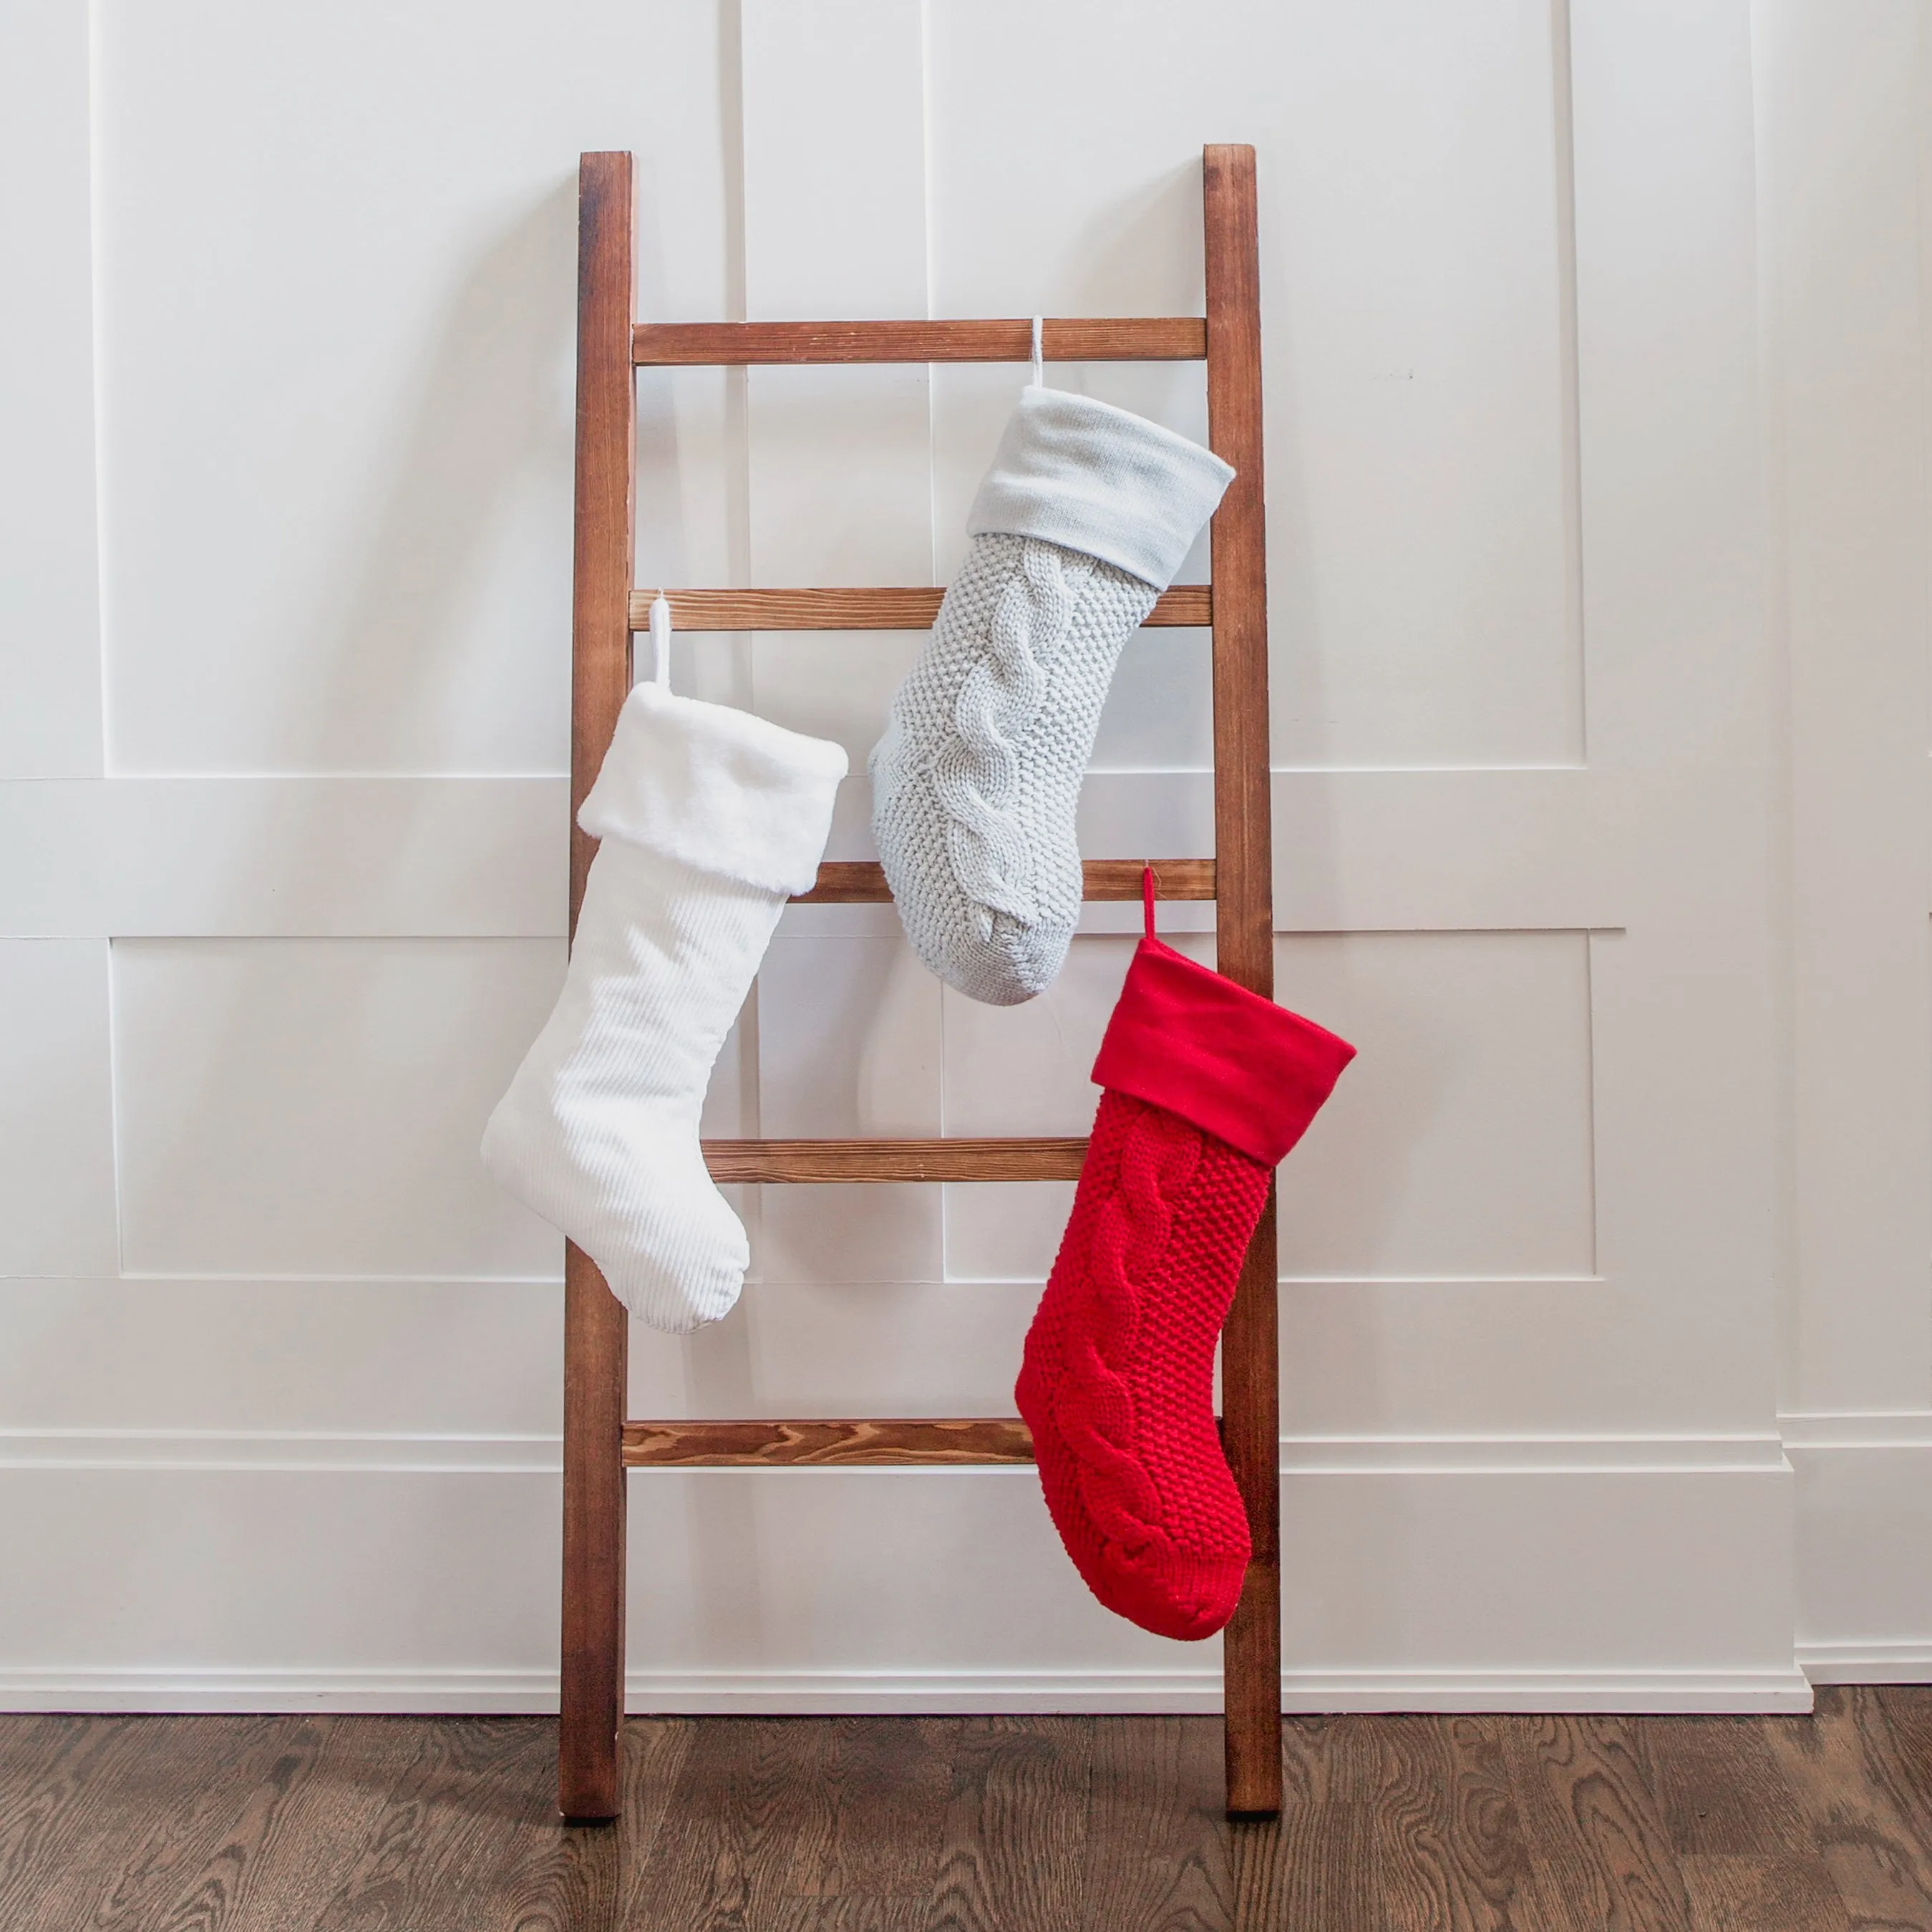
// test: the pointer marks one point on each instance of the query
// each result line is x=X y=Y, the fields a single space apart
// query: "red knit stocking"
x=1208 y=1086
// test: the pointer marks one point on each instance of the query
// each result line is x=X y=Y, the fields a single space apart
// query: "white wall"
x=1595 y=422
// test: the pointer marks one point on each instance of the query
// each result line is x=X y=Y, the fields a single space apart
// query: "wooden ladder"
x=599 y=1445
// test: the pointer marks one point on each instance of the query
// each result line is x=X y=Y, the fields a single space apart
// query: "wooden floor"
x=778 y=1825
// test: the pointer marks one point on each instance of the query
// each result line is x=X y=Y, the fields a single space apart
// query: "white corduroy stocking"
x=1084 y=518
x=710 y=819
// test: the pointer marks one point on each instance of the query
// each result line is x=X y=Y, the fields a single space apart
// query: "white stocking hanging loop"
x=1039 y=351
x=660 y=640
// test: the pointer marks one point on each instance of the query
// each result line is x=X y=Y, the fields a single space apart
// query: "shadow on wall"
x=270 y=1116
x=494 y=420
x=491 y=425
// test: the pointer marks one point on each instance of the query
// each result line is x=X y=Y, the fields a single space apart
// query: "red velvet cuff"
x=1235 y=1065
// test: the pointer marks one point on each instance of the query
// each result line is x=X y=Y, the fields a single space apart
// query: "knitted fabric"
x=1208 y=1085
x=708 y=819
x=1085 y=514
x=1118 y=1379
x=976 y=781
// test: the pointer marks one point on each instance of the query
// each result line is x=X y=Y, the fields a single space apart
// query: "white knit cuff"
x=718 y=789
x=1091 y=478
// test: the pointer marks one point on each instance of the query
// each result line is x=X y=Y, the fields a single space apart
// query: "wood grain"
x=882 y=1442
x=794 y=1162
x=1185 y=607
x=1856 y=1785
x=596 y=1335
x=1600 y=1853
x=204 y=1859
x=862 y=882
x=1719 y=1789
x=1737 y=1893
x=1448 y=1839
x=1156 y=338
x=327 y=1823
x=1157 y=1781
x=886 y=1786
x=1017 y=1826
x=1244 y=940
x=1315 y=1865
x=745 y=1806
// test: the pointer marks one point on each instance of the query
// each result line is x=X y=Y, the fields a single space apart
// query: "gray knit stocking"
x=1081 y=524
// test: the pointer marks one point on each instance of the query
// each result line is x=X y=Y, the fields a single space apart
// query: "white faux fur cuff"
x=718 y=789
x=1100 y=480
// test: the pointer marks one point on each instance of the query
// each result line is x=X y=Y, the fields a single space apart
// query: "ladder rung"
x=1140 y=338
x=862 y=881
x=808 y=1161
x=1191 y=605
x=656 y=1445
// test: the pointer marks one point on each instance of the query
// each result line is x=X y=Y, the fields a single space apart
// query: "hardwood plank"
x=1448 y=1843
x=1863 y=1818
x=1017 y=1822
x=60 y=1778
x=1244 y=939
x=188 y=1835
x=881 y=1825
x=49 y=1778
x=1314 y=1866
x=750 y=1798
x=847 y=1915
x=1718 y=1788
x=1153 y=338
x=596 y=1334
x=1185 y=606
x=1600 y=1854
x=452 y=1790
x=772 y=1445
x=1894 y=1723
x=556 y=1877
x=1312 y=1869
x=1157 y=1844
x=862 y=882
x=807 y=1161
x=886 y=1779
x=1763 y=1891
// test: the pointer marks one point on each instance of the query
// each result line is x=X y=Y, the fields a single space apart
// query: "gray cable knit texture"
x=977 y=779
x=1083 y=519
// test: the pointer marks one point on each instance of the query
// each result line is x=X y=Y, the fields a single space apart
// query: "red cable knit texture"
x=1117 y=1382
x=1208 y=1085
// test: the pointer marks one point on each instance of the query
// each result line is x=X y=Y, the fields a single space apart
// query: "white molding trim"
x=1864 y=1502
x=1903 y=1661
x=271 y=1452
x=198 y=1451
x=1887 y=1429
x=807 y=1692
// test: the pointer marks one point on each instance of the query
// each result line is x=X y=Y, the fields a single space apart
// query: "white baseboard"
x=889 y=1693
x=1864 y=1546
x=1908 y=1661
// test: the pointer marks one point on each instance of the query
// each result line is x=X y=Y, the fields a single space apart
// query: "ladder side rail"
x=596 y=1333
x=1244 y=932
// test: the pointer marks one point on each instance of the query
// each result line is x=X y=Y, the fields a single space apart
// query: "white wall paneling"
x=1844 y=161
x=50 y=592
x=1594 y=354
